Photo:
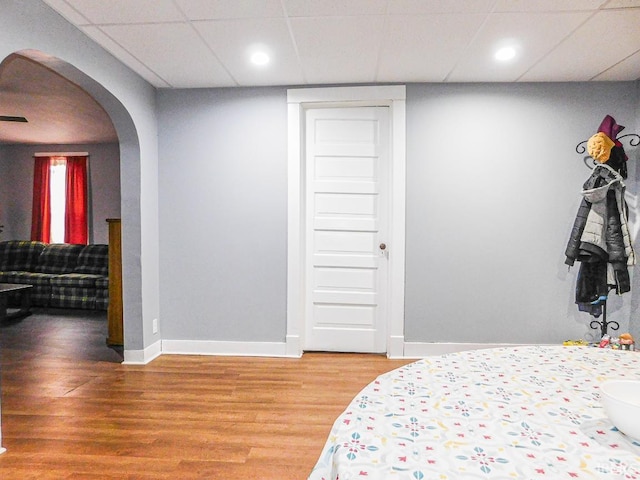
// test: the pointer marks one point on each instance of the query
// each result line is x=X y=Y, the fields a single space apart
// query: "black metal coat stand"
x=603 y=324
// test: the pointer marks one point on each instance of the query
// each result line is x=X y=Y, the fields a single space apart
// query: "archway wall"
x=634 y=173
x=32 y=27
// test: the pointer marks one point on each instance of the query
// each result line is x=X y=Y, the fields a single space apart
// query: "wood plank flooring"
x=71 y=411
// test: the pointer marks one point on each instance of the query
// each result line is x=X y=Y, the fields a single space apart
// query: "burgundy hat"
x=611 y=129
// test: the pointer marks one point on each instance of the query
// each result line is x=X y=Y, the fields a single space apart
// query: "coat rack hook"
x=633 y=139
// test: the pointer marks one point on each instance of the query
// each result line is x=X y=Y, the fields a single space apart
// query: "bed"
x=529 y=412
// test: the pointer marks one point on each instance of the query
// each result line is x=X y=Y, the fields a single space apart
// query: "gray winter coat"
x=601 y=227
x=606 y=227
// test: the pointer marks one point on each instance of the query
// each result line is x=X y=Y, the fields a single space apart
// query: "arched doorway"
x=129 y=151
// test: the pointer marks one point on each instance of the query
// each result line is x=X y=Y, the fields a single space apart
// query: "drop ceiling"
x=207 y=43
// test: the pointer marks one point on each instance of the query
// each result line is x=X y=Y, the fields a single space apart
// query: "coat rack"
x=604 y=324
x=581 y=148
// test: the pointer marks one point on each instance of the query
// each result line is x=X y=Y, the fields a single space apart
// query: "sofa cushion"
x=83 y=280
x=102 y=299
x=58 y=258
x=20 y=255
x=28 y=278
x=73 y=297
x=41 y=292
x=93 y=259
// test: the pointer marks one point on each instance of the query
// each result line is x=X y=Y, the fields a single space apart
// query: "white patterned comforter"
x=506 y=413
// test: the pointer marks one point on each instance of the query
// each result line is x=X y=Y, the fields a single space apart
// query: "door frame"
x=298 y=100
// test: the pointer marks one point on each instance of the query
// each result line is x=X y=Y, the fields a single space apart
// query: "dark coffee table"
x=25 y=300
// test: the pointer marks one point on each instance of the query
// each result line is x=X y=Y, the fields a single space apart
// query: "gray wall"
x=634 y=321
x=16 y=183
x=130 y=101
x=493 y=185
x=223 y=214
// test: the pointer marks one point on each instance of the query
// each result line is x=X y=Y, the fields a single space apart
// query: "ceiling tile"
x=338 y=49
x=233 y=41
x=126 y=11
x=174 y=52
x=225 y=9
x=315 y=8
x=605 y=39
x=627 y=69
x=361 y=41
x=67 y=11
x=532 y=34
x=543 y=6
x=622 y=3
x=421 y=7
x=124 y=56
x=413 y=51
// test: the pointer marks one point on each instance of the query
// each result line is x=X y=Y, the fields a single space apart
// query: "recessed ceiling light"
x=505 y=54
x=260 y=58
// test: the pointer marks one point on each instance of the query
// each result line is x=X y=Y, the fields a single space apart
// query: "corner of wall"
x=142 y=357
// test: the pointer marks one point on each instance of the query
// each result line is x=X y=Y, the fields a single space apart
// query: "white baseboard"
x=425 y=349
x=205 y=347
x=398 y=348
x=294 y=346
x=142 y=357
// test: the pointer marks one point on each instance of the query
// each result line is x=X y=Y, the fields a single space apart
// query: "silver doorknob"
x=383 y=246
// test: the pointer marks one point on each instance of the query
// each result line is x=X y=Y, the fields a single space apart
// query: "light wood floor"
x=71 y=411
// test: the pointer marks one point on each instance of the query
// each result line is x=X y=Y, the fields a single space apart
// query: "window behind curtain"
x=57 y=188
x=60 y=199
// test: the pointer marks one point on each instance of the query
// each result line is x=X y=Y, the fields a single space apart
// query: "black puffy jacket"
x=605 y=232
x=600 y=239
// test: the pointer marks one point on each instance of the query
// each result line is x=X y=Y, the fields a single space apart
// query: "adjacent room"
x=343 y=227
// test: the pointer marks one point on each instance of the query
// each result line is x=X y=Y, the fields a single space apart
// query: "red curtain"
x=41 y=215
x=75 y=222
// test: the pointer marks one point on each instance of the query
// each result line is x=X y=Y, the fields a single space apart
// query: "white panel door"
x=346 y=166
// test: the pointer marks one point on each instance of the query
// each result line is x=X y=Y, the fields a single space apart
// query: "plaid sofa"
x=62 y=275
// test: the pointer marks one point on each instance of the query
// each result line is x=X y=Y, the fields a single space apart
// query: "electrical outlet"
x=155 y=325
